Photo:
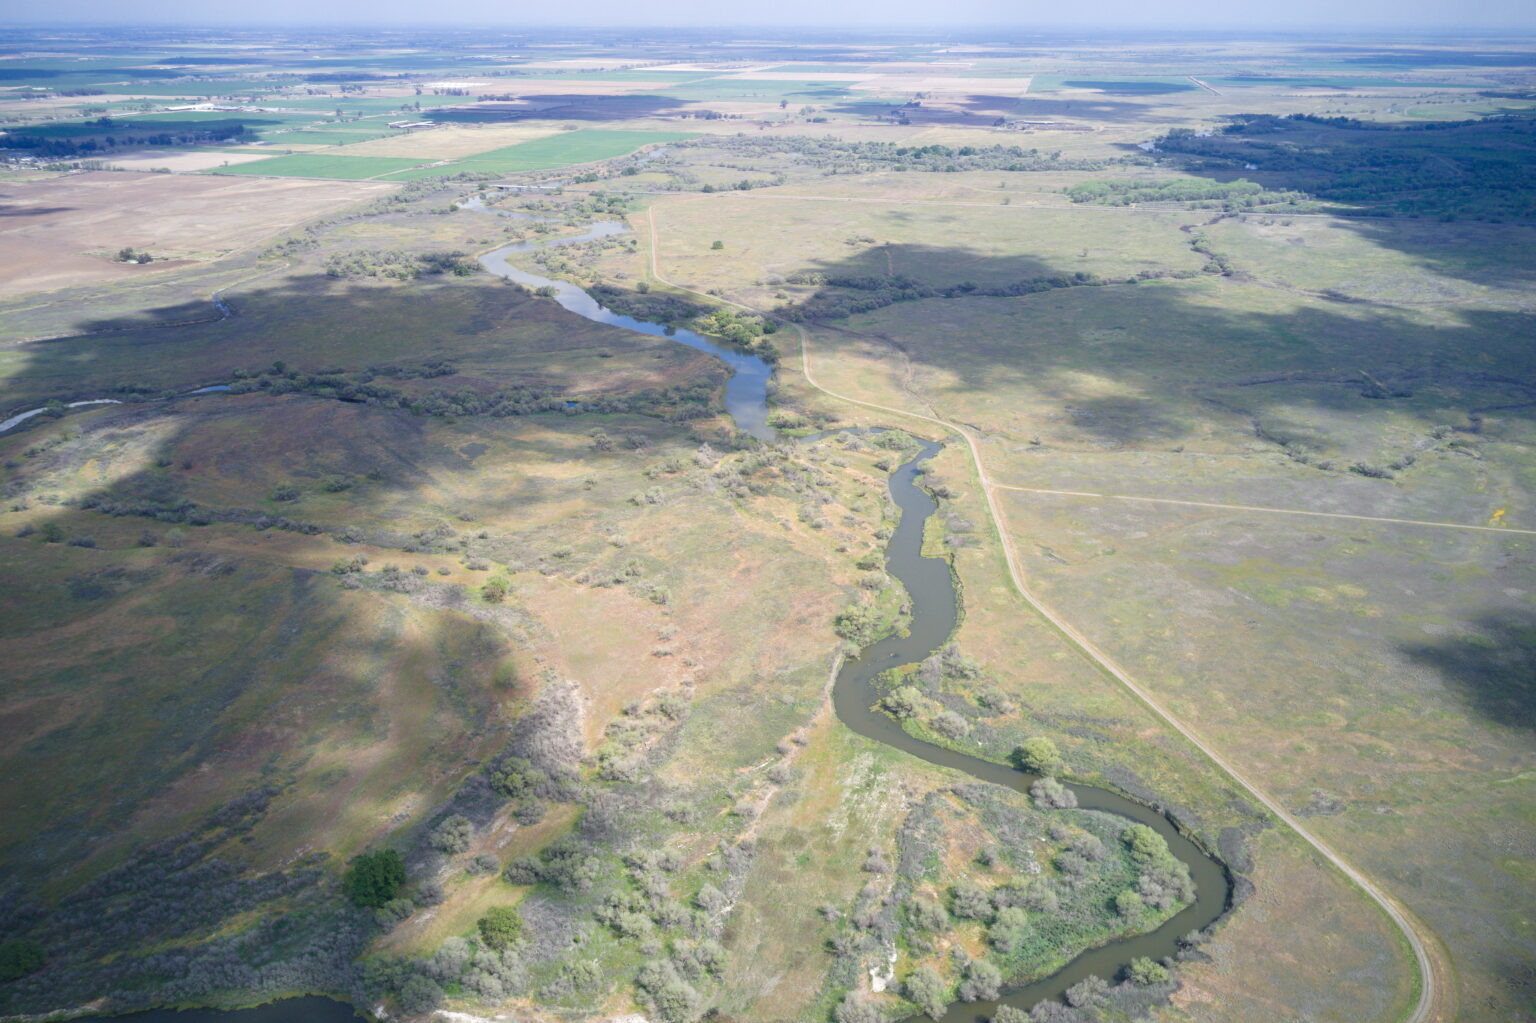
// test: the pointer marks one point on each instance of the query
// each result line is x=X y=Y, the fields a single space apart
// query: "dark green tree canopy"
x=372 y=879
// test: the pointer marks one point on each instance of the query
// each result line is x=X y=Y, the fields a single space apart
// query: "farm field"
x=321 y=165
x=388 y=621
x=564 y=150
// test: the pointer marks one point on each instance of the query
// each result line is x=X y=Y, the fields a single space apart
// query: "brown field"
x=181 y=161
x=65 y=232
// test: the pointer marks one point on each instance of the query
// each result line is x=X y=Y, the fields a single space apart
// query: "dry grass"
x=66 y=231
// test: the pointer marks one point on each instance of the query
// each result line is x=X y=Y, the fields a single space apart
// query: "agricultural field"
x=381 y=628
x=321 y=165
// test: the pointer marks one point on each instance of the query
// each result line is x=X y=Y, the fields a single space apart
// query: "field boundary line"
x=1261 y=508
x=1434 y=994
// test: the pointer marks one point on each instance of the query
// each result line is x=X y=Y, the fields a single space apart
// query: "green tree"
x=717 y=244
x=372 y=879
x=1039 y=755
x=19 y=958
x=500 y=927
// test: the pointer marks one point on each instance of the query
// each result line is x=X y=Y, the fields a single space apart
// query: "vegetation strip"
x=1435 y=1001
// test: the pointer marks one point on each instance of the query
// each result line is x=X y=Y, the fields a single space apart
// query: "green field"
x=1148 y=86
x=303 y=165
x=568 y=149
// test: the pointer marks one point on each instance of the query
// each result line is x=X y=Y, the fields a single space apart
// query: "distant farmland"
x=563 y=150
x=322 y=165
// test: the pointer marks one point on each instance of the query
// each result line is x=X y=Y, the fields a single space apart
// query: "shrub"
x=903 y=701
x=856 y=1009
x=372 y=879
x=1010 y=1014
x=950 y=725
x=982 y=981
x=514 y=777
x=529 y=812
x=1089 y=993
x=968 y=899
x=500 y=927
x=1145 y=845
x=1050 y=794
x=1009 y=929
x=523 y=870
x=1039 y=755
x=673 y=998
x=927 y=991
x=452 y=835
x=1145 y=972
x=420 y=994
x=926 y=914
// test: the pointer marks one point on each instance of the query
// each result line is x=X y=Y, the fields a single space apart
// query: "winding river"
x=935 y=612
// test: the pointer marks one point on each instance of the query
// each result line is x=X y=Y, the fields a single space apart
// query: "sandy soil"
x=63 y=232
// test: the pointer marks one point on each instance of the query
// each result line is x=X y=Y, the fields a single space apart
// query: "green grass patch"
x=351 y=168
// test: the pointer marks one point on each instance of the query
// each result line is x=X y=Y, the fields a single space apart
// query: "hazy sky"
x=1392 y=15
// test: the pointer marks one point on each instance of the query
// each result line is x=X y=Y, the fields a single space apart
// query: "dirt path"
x=1261 y=508
x=1436 y=993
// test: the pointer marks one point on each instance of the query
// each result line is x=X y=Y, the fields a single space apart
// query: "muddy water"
x=934 y=613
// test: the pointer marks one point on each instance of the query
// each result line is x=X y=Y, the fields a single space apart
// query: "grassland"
x=1092 y=391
